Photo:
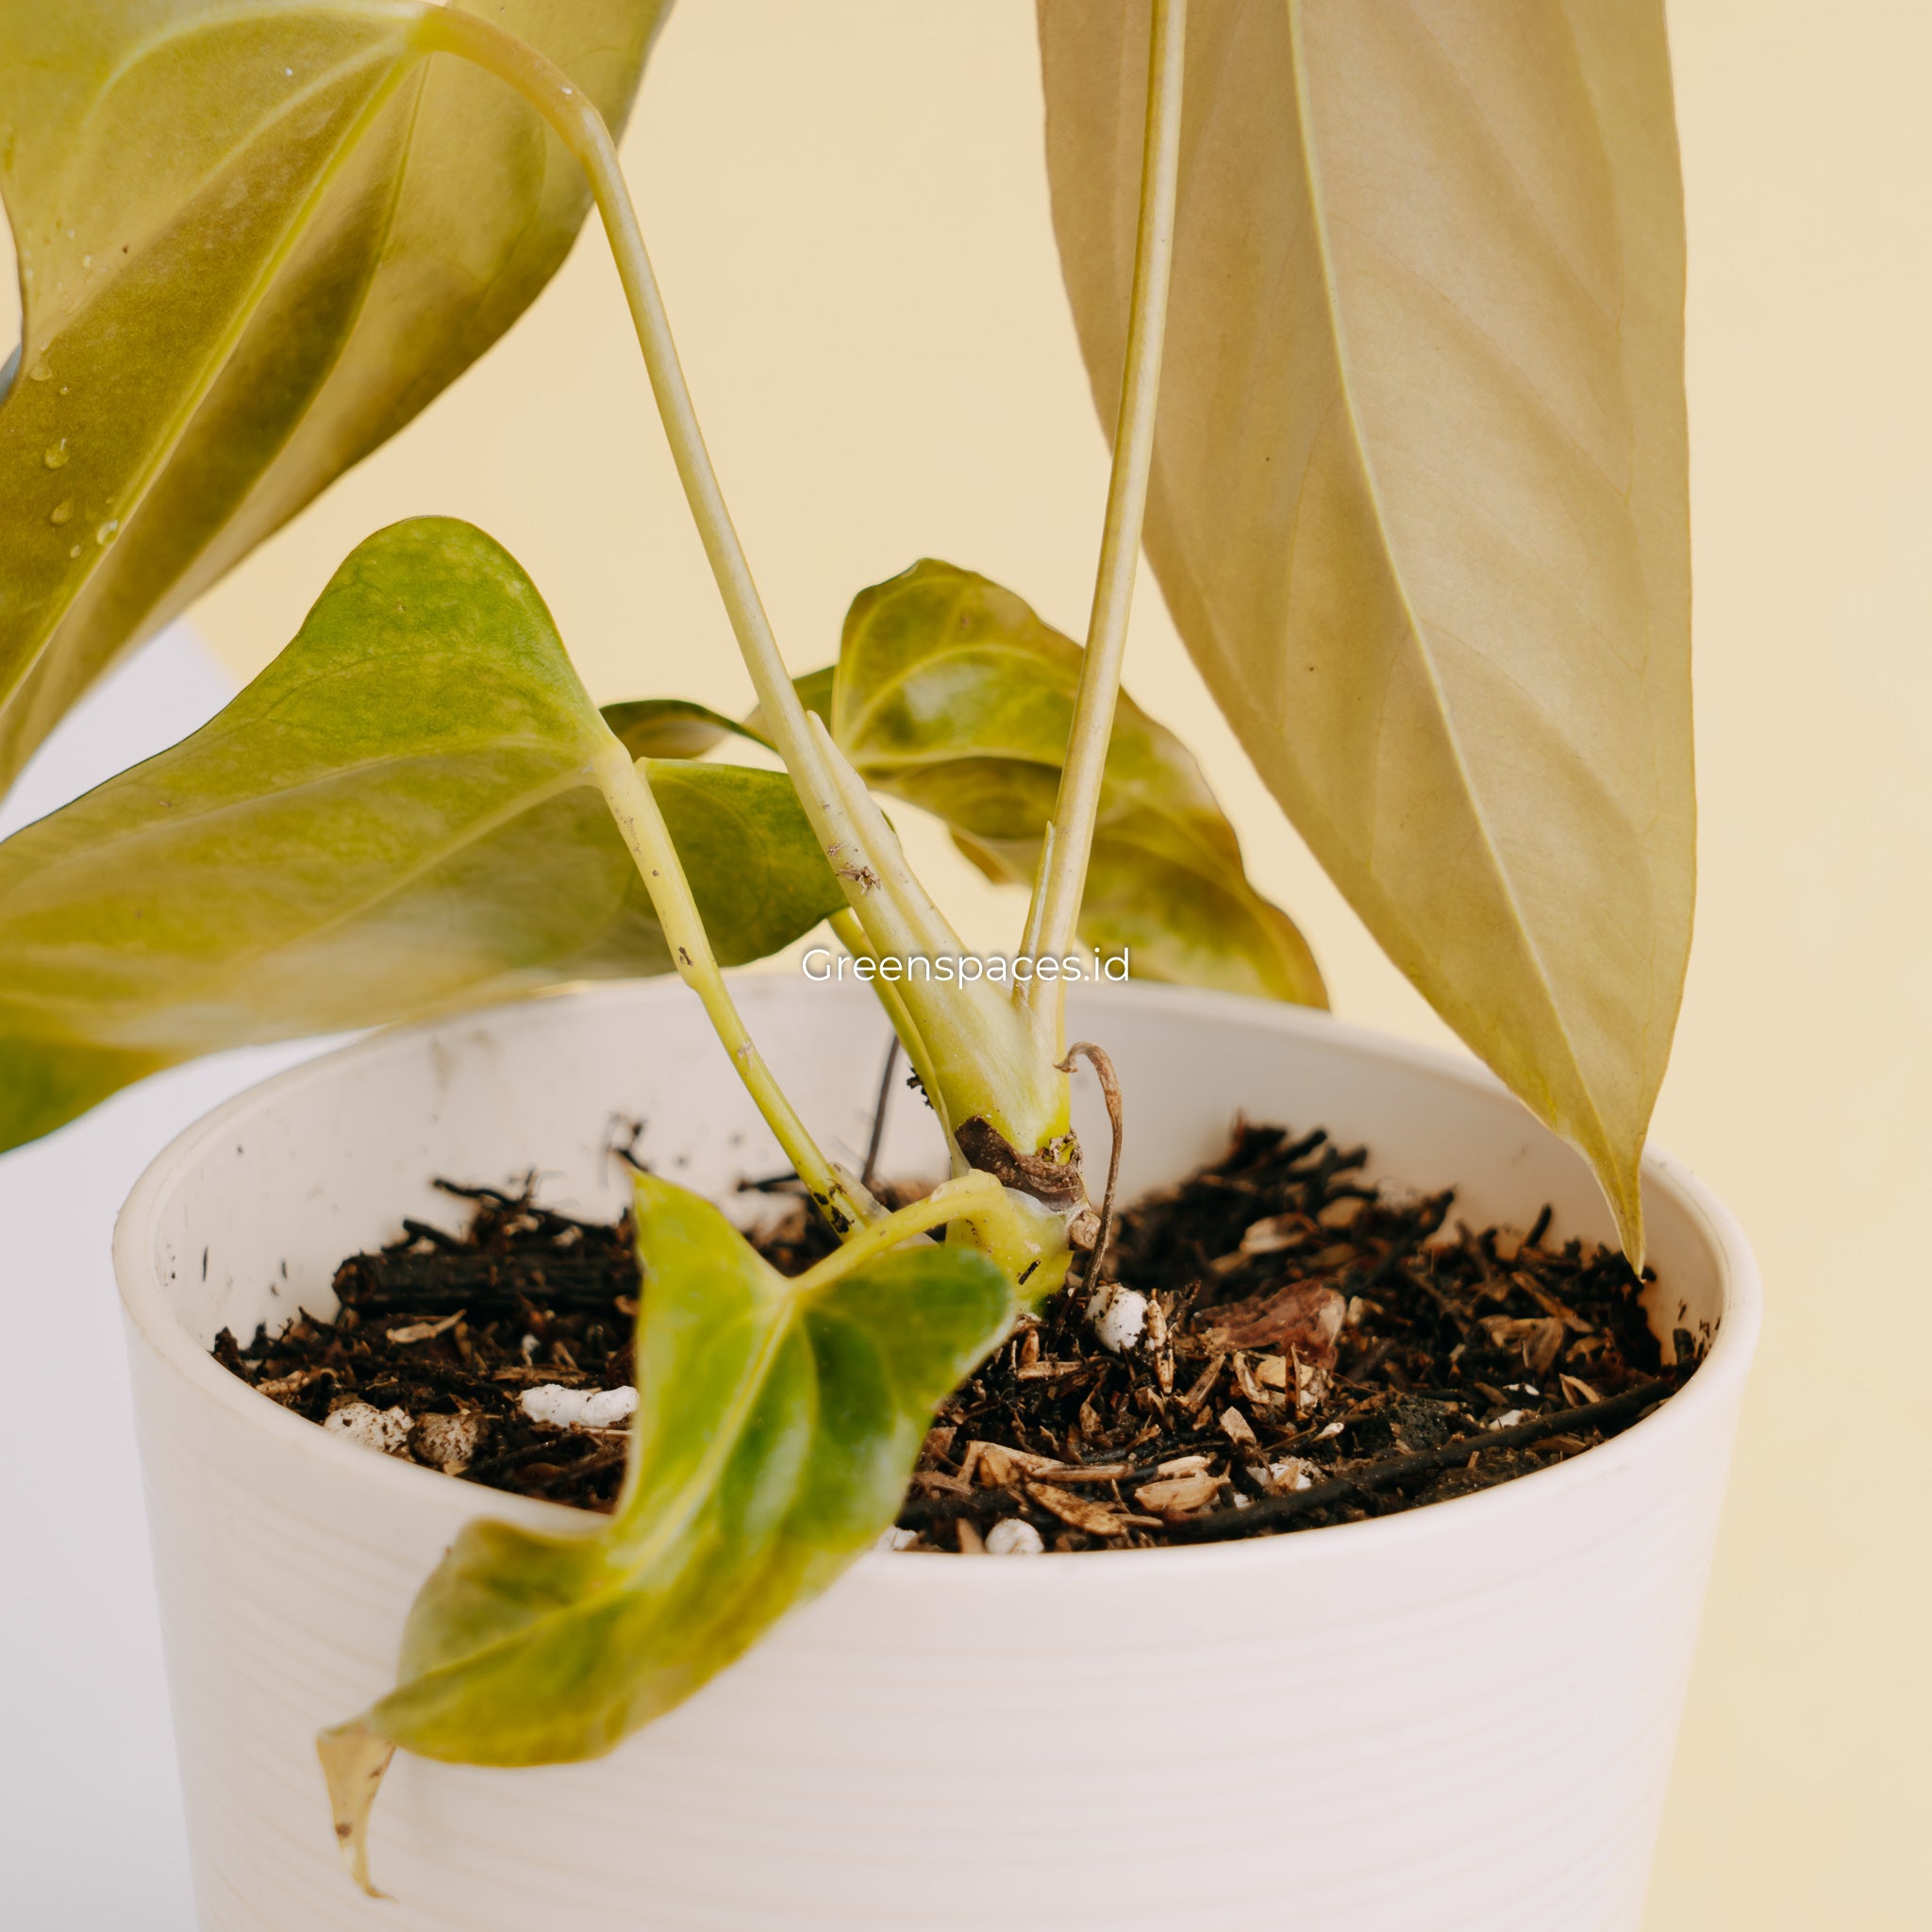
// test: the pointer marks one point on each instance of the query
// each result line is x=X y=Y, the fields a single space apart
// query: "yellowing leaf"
x=1419 y=502
x=253 y=243
x=395 y=818
x=951 y=694
x=779 y=1421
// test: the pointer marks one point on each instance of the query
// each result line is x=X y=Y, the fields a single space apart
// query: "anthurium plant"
x=1382 y=308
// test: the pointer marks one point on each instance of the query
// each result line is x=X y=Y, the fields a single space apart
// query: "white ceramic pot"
x=1457 y=1717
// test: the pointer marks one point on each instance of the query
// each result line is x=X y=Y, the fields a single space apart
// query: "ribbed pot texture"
x=1457 y=1717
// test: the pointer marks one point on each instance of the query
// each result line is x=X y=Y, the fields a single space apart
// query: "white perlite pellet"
x=387 y=1429
x=1013 y=1536
x=451 y=1442
x=578 y=1409
x=1119 y=1316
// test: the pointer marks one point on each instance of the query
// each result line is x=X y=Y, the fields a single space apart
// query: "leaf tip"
x=353 y=1759
x=1622 y=1183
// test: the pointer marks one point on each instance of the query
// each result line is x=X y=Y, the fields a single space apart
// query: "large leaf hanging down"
x=952 y=694
x=1418 y=502
x=394 y=818
x=780 y=1420
x=254 y=242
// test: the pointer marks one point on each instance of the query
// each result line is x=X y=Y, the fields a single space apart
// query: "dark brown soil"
x=1312 y=1352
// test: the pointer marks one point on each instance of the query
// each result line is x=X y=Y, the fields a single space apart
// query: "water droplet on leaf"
x=106 y=529
x=55 y=455
x=39 y=371
x=74 y=551
x=61 y=510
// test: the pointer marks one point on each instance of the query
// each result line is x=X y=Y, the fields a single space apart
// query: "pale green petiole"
x=984 y=1059
x=627 y=794
x=1062 y=877
x=973 y=1037
x=581 y=129
x=1027 y=1239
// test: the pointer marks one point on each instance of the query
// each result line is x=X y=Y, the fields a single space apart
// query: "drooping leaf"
x=1418 y=502
x=779 y=1422
x=394 y=819
x=253 y=243
x=952 y=694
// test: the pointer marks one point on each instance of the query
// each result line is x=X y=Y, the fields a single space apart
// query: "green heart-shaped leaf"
x=952 y=694
x=779 y=1422
x=394 y=819
x=253 y=243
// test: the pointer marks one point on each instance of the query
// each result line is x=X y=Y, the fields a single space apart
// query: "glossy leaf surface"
x=394 y=818
x=1418 y=502
x=253 y=243
x=952 y=694
x=779 y=1422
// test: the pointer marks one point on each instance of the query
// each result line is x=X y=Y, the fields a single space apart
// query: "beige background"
x=847 y=206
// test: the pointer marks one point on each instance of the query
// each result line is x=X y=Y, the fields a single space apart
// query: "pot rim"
x=148 y=1310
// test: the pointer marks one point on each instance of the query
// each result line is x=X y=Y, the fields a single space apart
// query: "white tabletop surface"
x=91 y=1835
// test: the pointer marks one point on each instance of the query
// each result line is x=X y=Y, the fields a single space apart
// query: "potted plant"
x=1386 y=324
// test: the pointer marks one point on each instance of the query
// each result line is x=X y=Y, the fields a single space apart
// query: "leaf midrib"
x=1312 y=174
x=221 y=352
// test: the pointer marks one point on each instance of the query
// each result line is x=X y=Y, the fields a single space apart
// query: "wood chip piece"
x=284 y=1386
x=998 y=1467
x=1084 y=1514
x=1178 y=1495
x=1197 y=1396
x=1551 y=1306
x=1236 y=1426
x=936 y=1482
x=1244 y=1381
x=1541 y=1348
x=1310 y=1384
x=1270 y=1236
x=1271 y=1371
x=1052 y=1371
x=1185 y=1465
x=1506 y=1331
x=1344 y=1213
x=424 y=1331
